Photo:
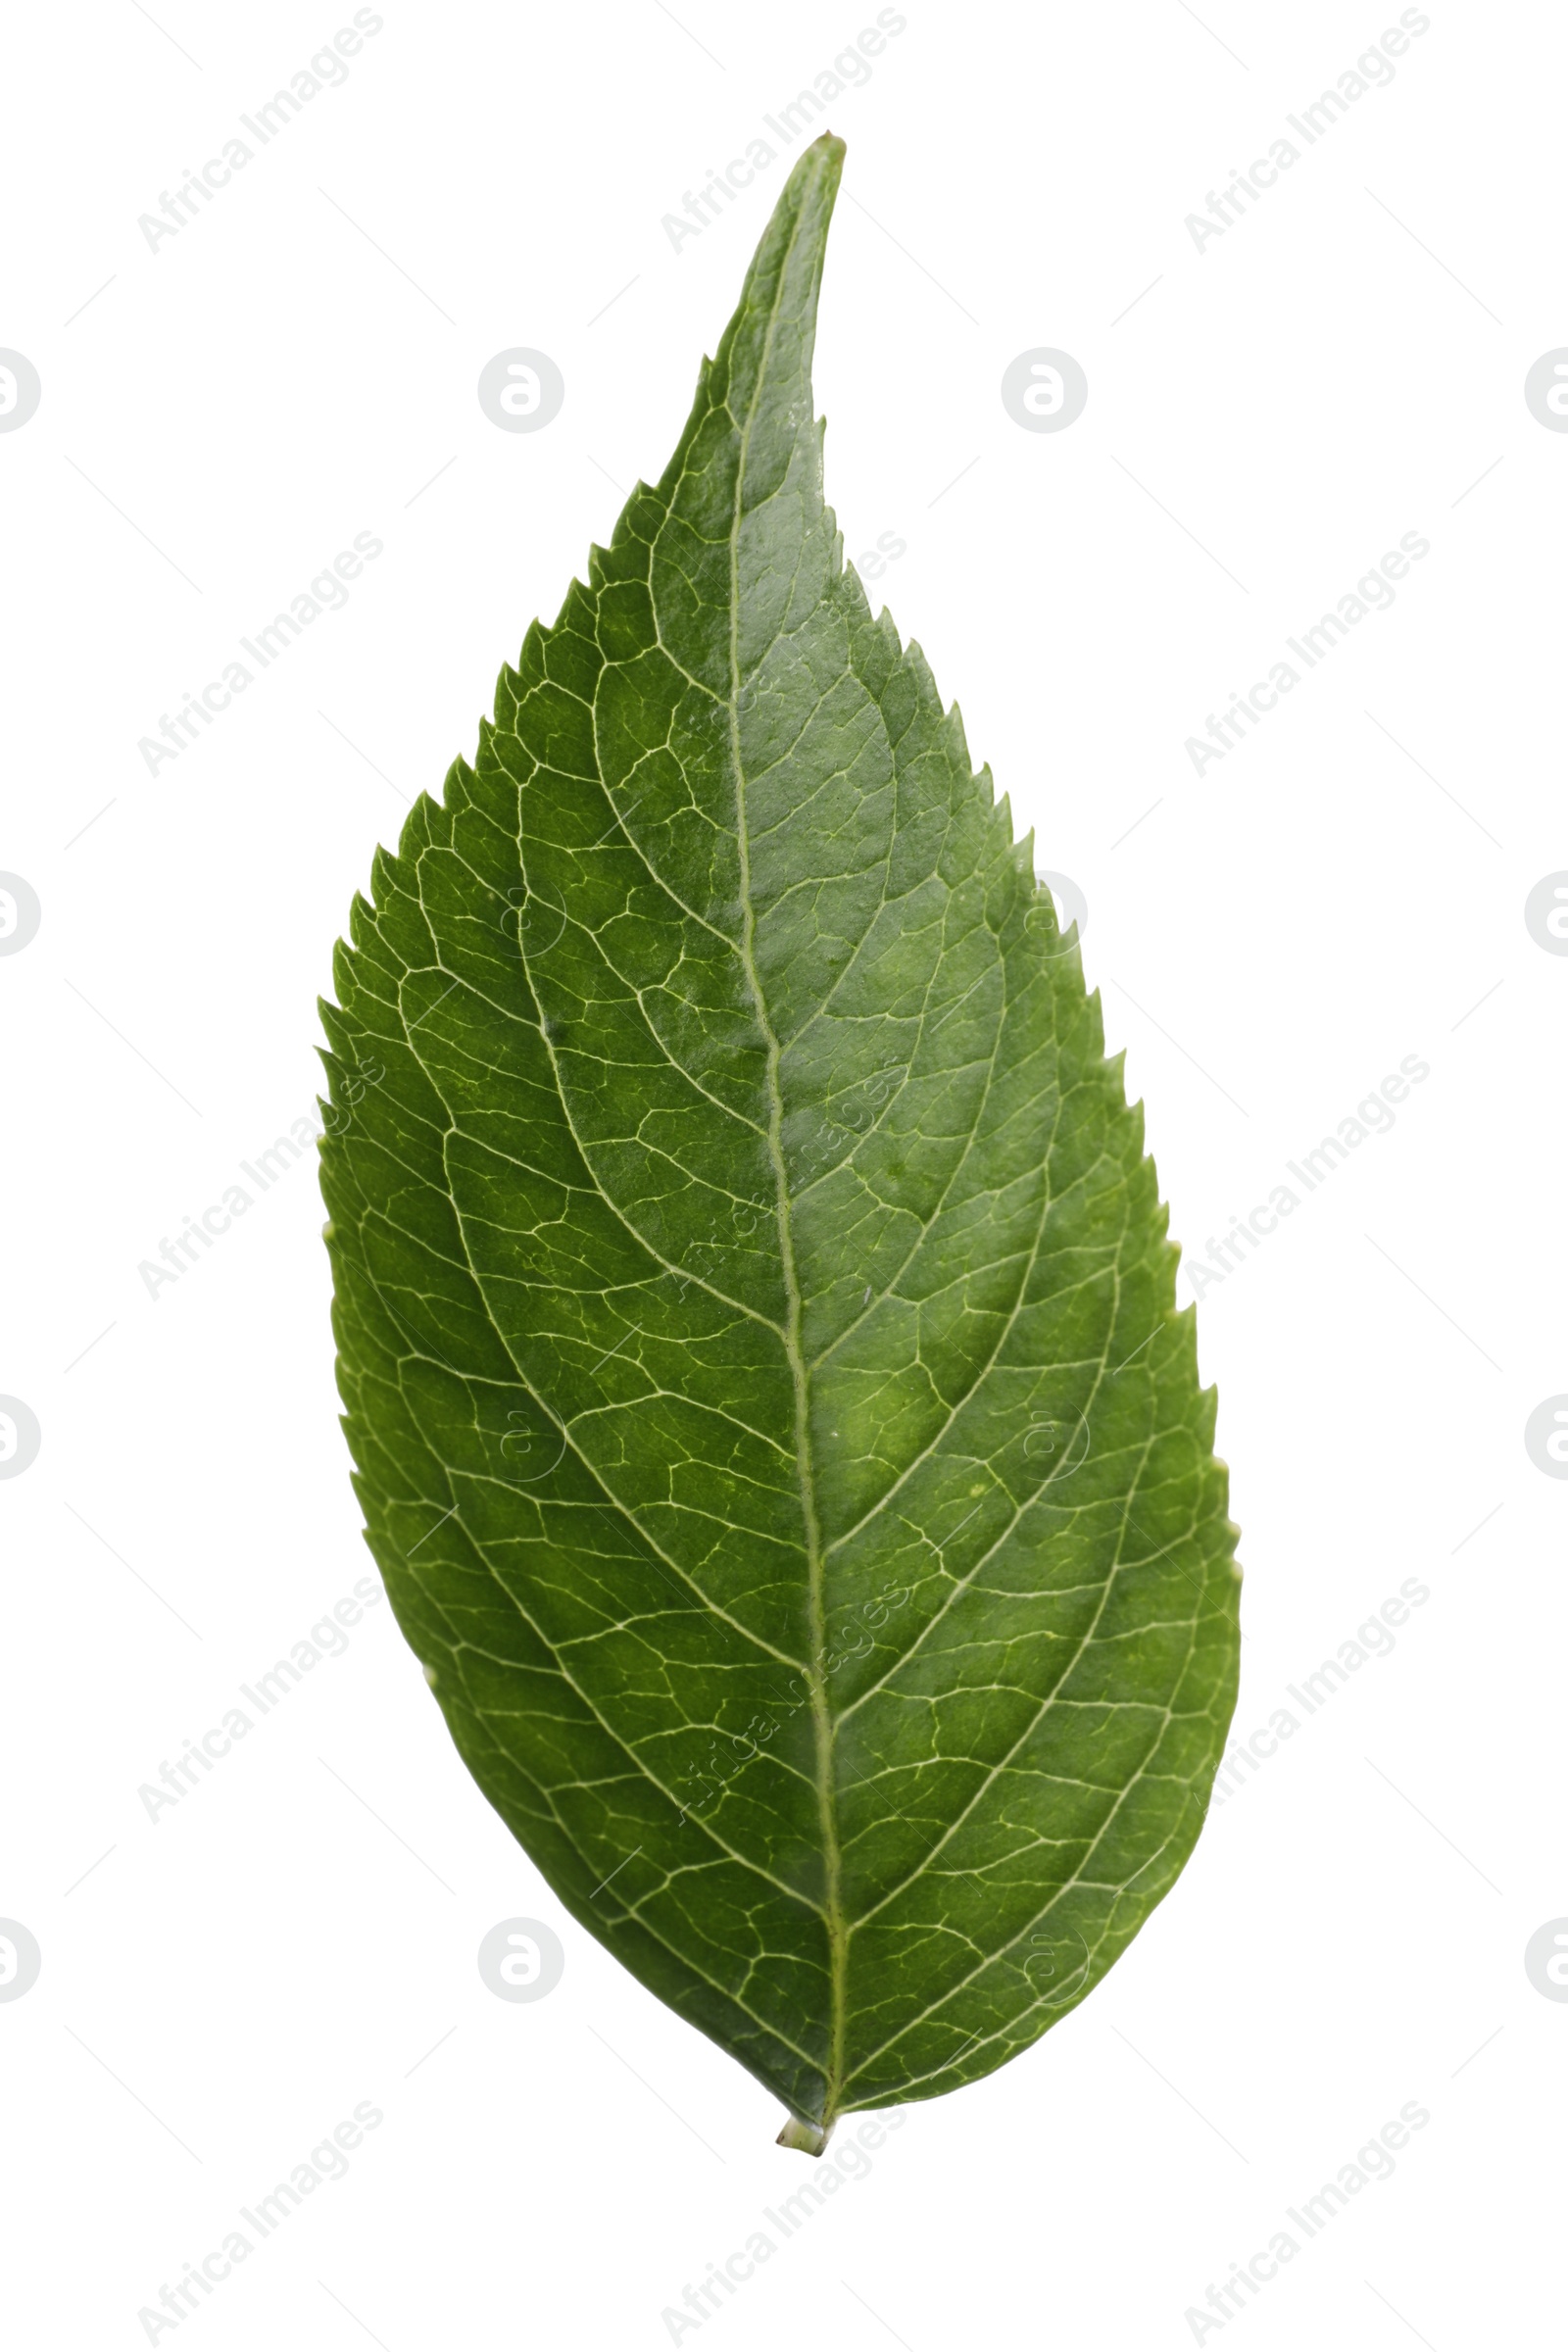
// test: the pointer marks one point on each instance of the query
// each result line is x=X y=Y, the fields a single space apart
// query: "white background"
x=298 y=365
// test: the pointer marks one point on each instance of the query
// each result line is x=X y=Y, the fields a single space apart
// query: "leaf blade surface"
x=755 y=1315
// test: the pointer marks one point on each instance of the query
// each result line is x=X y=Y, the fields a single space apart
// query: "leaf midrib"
x=816 y=1669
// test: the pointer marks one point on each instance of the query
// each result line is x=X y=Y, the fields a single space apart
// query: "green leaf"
x=753 y=1308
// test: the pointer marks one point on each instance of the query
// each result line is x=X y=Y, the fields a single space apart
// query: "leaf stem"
x=811 y=2138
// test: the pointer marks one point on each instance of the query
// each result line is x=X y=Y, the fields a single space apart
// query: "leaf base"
x=811 y=2138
